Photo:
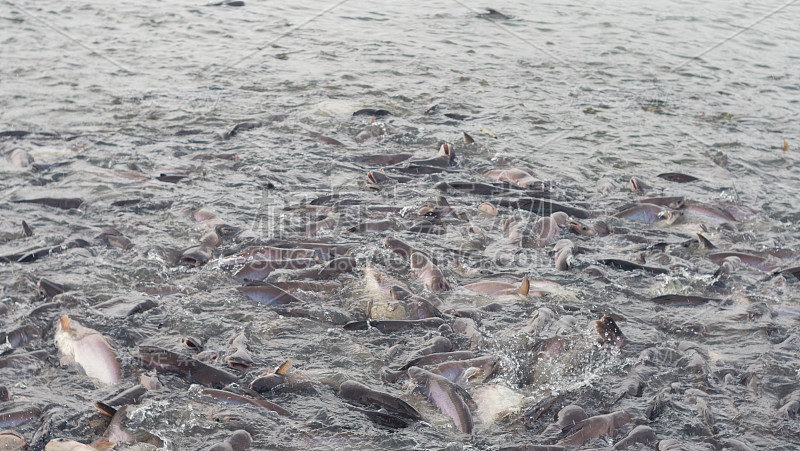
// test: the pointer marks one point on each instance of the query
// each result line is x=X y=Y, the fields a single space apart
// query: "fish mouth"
x=191 y=261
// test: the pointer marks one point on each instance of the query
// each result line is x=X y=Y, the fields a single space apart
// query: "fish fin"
x=105 y=409
x=64 y=322
x=525 y=286
x=465 y=396
x=705 y=242
x=575 y=427
x=284 y=367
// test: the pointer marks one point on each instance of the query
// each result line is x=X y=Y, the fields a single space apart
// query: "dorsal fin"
x=284 y=367
x=525 y=286
x=64 y=321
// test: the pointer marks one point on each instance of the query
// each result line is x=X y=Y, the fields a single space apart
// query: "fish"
x=463 y=371
x=677 y=177
x=239 y=357
x=596 y=426
x=133 y=395
x=682 y=300
x=240 y=127
x=371 y=131
x=425 y=269
x=447 y=396
x=545 y=206
x=649 y=213
x=514 y=176
x=497 y=289
x=240 y=440
x=26 y=229
x=640 y=434
x=114 y=238
x=234 y=398
x=11 y=441
x=394 y=325
x=383 y=159
x=268 y=380
x=89 y=349
x=196 y=255
x=62 y=203
x=193 y=369
x=630 y=266
x=372 y=112
x=259 y=270
x=414 y=306
x=14 y=418
x=360 y=393
x=609 y=332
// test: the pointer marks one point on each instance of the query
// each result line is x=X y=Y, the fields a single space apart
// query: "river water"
x=583 y=96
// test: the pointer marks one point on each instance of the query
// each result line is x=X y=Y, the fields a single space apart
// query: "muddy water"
x=581 y=96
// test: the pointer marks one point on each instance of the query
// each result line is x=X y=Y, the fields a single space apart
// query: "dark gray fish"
x=268 y=294
x=64 y=203
x=216 y=156
x=240 y=128
x=122 y=307
x=133 y=395
x=234 y=3
x=390 y=325
x=26 y=229
x=5 y=395
x=114 y=238
x=48 y=288
x=383 y=159
x=234 y=398
x=360 y=393
x=493 y=14
x=171 y=178
x=682 y=300
x=640 y=434
x=259 y=270
x=35 y=254
x=19 y=337
x=630 y=266
x=382 y=418
x=544 y=205
x=195 y=370
x=23 y=360
x=371 y=112
x=325 y=139
x=596 y=426
x=677 y=177
x=447 y=396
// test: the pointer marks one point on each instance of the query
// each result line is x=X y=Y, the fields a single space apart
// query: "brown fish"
x=195 y=370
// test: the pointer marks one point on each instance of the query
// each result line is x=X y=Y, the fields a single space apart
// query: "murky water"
x=583 y=96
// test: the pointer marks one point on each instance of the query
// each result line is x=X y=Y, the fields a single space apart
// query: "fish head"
x=581 y=229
